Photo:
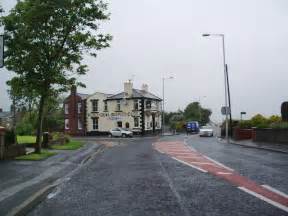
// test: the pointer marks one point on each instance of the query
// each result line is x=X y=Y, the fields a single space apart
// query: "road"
x=144 y=177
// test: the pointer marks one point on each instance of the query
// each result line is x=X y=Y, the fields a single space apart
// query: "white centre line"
x=259 y=196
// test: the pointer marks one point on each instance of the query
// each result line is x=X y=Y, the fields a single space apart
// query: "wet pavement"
x=132 y=178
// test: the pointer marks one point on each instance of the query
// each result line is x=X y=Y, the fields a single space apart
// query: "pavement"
x=21 y=180
x=164 y=176
x=260 y=145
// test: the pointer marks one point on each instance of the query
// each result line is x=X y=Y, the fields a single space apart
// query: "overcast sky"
x=156 y=38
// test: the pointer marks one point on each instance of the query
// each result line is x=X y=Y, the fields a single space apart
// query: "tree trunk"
x=39 y=125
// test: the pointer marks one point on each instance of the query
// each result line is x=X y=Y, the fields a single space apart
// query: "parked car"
x=192 y=127
x=206 y=131
x=120 y=132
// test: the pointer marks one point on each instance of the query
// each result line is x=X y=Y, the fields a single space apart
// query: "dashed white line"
x=275 y=191
x=190 y=165
x=259 y=196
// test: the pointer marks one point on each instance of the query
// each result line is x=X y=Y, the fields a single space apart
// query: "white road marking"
x=196 y=162
x=190 y=165
x=275 y=191
x=259 y=196
x=224 y=173
x=160 y=151
x=220 y=164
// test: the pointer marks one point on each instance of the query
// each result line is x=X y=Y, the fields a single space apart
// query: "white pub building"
x=135 y=109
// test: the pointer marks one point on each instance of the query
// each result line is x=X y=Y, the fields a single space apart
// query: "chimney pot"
x=128 y=88
x=145 y=88
x=73 y=90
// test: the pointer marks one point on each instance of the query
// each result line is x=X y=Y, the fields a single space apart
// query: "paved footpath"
x=190 y=157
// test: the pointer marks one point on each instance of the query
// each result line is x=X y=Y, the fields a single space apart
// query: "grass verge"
x=26 y=139
x=35 y=157
x=72 y=145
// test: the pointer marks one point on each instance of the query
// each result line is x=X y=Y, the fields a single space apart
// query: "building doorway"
x=119 y=124
x=153 y=123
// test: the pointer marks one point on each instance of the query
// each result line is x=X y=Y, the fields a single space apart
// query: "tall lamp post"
x=163 y=102
x=200 y=114
x=226 y=81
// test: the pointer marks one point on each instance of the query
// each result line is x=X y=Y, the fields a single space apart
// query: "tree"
x=194 y=112
x=46 y=41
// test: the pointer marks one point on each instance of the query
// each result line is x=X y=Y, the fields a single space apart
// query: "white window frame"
x=66 y=108
x=136 y=119
x=118 y=106
x=95 y=105
x=95 y=125
x=80 y=127
x=136 y=105
x=79 y=107
x=105 y=106
x=67 y=127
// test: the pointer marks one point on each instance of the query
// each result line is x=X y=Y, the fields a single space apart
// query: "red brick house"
x=74 y=113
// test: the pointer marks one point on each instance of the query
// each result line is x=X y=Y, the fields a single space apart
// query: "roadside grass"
x=72 y=145
x=26 y=139
x=35 y=157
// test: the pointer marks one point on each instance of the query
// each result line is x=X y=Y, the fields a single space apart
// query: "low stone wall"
x=242 y=134
x=270 y=135
x=13 y=151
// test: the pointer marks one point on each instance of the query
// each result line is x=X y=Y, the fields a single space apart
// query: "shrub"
x=245 y=124
x=9 y=137
x=279 y=125
x=24 y=128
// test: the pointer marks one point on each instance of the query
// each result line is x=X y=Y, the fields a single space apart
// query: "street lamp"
x=226 y=81
x=163 y=101
x=199 y=107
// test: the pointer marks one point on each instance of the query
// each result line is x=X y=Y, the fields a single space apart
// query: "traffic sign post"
x=1 y=51
x=225 y=110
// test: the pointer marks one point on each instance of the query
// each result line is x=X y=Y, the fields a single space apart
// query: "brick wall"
x=72 y=101
x=242 y=134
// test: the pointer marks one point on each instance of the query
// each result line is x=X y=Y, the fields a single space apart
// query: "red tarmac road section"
x=189 y=156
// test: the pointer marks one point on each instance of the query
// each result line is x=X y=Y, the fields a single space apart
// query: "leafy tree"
x=46 y=41
x=194 y=112
x=259 y=121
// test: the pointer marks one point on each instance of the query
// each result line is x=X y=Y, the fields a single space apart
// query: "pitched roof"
x=136 y=93
x=83 y=96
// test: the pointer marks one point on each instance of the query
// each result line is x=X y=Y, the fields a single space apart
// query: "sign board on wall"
x=1 y=51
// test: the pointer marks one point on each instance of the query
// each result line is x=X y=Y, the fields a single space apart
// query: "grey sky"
x=156 y=38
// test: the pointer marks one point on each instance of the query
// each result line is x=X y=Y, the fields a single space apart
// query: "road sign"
x=225 y=110
x=1 y=51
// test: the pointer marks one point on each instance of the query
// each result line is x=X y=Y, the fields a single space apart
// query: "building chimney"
x=128 y=86
x=145 y=88
x=73 y=90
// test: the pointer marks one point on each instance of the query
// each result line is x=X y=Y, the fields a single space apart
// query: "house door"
x=153 y=123
x=119 y=124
